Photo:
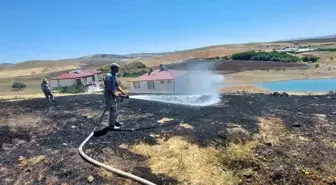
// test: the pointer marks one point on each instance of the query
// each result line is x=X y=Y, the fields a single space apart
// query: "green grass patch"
x=73 y=89
x=265 y=56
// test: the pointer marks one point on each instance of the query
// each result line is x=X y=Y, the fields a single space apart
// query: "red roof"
x=74 y=75
x=163 y=75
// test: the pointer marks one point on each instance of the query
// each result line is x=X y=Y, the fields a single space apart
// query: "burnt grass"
x=66 y=123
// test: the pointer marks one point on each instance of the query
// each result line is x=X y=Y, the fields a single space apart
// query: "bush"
x=225 y=58
x=244 y=55
x=73 y=89
x=265 y=56
x=317 y=65
x=18 y=86
x=312 y=59
x=331 y=58
x=326 y=49
x=105 y=69
x=133 y=65
x=134 y=74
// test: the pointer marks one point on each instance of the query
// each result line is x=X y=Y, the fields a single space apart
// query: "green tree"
x=18 y=86
x=265 y=56
x=105 y=69
x=326 y=49
x=305 y=59
x=312 y=59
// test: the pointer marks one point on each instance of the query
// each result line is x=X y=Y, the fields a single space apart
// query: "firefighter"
x=45 y=87
x=111 y=86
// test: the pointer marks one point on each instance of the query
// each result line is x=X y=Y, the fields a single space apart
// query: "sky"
x=58 y=29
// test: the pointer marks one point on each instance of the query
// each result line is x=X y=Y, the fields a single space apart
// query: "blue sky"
x=56 y=29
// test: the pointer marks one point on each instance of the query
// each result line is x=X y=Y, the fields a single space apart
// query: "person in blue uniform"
x=111 y=87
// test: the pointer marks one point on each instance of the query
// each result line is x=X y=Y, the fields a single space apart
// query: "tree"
x=18 y=86
x=265 y=56
x=312 y=59
x=305 y=59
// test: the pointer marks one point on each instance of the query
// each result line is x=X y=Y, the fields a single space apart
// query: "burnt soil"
x=63 y=125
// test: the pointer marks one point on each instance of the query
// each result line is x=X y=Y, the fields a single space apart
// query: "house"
x=168 y=81
x=173 y=81
x=91 y=79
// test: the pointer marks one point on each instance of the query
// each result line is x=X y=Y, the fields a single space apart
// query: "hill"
x=154 y=59
x=97 y=57
x=4 y=65
x=326 y=37
x=144 y=55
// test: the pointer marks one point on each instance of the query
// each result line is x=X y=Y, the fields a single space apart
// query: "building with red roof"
x=158 y=81
x=91 y=79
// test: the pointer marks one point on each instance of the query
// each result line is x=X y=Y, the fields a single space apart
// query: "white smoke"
x=201 y=89
x=204 y=78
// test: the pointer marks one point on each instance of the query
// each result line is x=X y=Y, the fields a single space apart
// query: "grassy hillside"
x=234 y=71
x=154 y=59
x=230 y=49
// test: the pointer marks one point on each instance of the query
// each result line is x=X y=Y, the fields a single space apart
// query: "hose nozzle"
x=123 y=96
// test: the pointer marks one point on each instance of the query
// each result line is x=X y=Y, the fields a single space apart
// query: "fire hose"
x=107 y=167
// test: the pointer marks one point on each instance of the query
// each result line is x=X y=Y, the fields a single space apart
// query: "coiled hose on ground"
x=109 y=168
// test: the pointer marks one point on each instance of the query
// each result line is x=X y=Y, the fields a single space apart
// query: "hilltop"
x=153 y=59
x=234 y=71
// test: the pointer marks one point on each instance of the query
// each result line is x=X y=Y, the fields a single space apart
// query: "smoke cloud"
x=198 y=88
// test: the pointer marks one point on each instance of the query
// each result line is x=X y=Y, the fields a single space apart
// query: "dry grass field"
x=245 y=139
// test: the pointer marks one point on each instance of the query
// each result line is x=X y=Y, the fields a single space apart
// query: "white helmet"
x=114 y=65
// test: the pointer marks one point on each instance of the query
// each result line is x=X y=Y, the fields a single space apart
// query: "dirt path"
x=39 y=141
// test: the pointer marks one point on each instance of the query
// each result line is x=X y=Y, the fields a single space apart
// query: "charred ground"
x=295 y=135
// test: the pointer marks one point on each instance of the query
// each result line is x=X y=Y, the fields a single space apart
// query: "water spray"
x=201 y=90
x=191 y=100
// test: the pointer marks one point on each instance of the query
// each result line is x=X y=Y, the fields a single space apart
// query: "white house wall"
x=62 y=83
x=159 y=88
x=93 y=85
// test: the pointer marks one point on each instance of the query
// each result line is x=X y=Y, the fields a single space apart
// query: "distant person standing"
x=45 y=87
x=150 y=71
x=163 y=68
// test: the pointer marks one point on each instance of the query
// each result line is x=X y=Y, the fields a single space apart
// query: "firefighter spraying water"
x=206 y=95
x=111 y=86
